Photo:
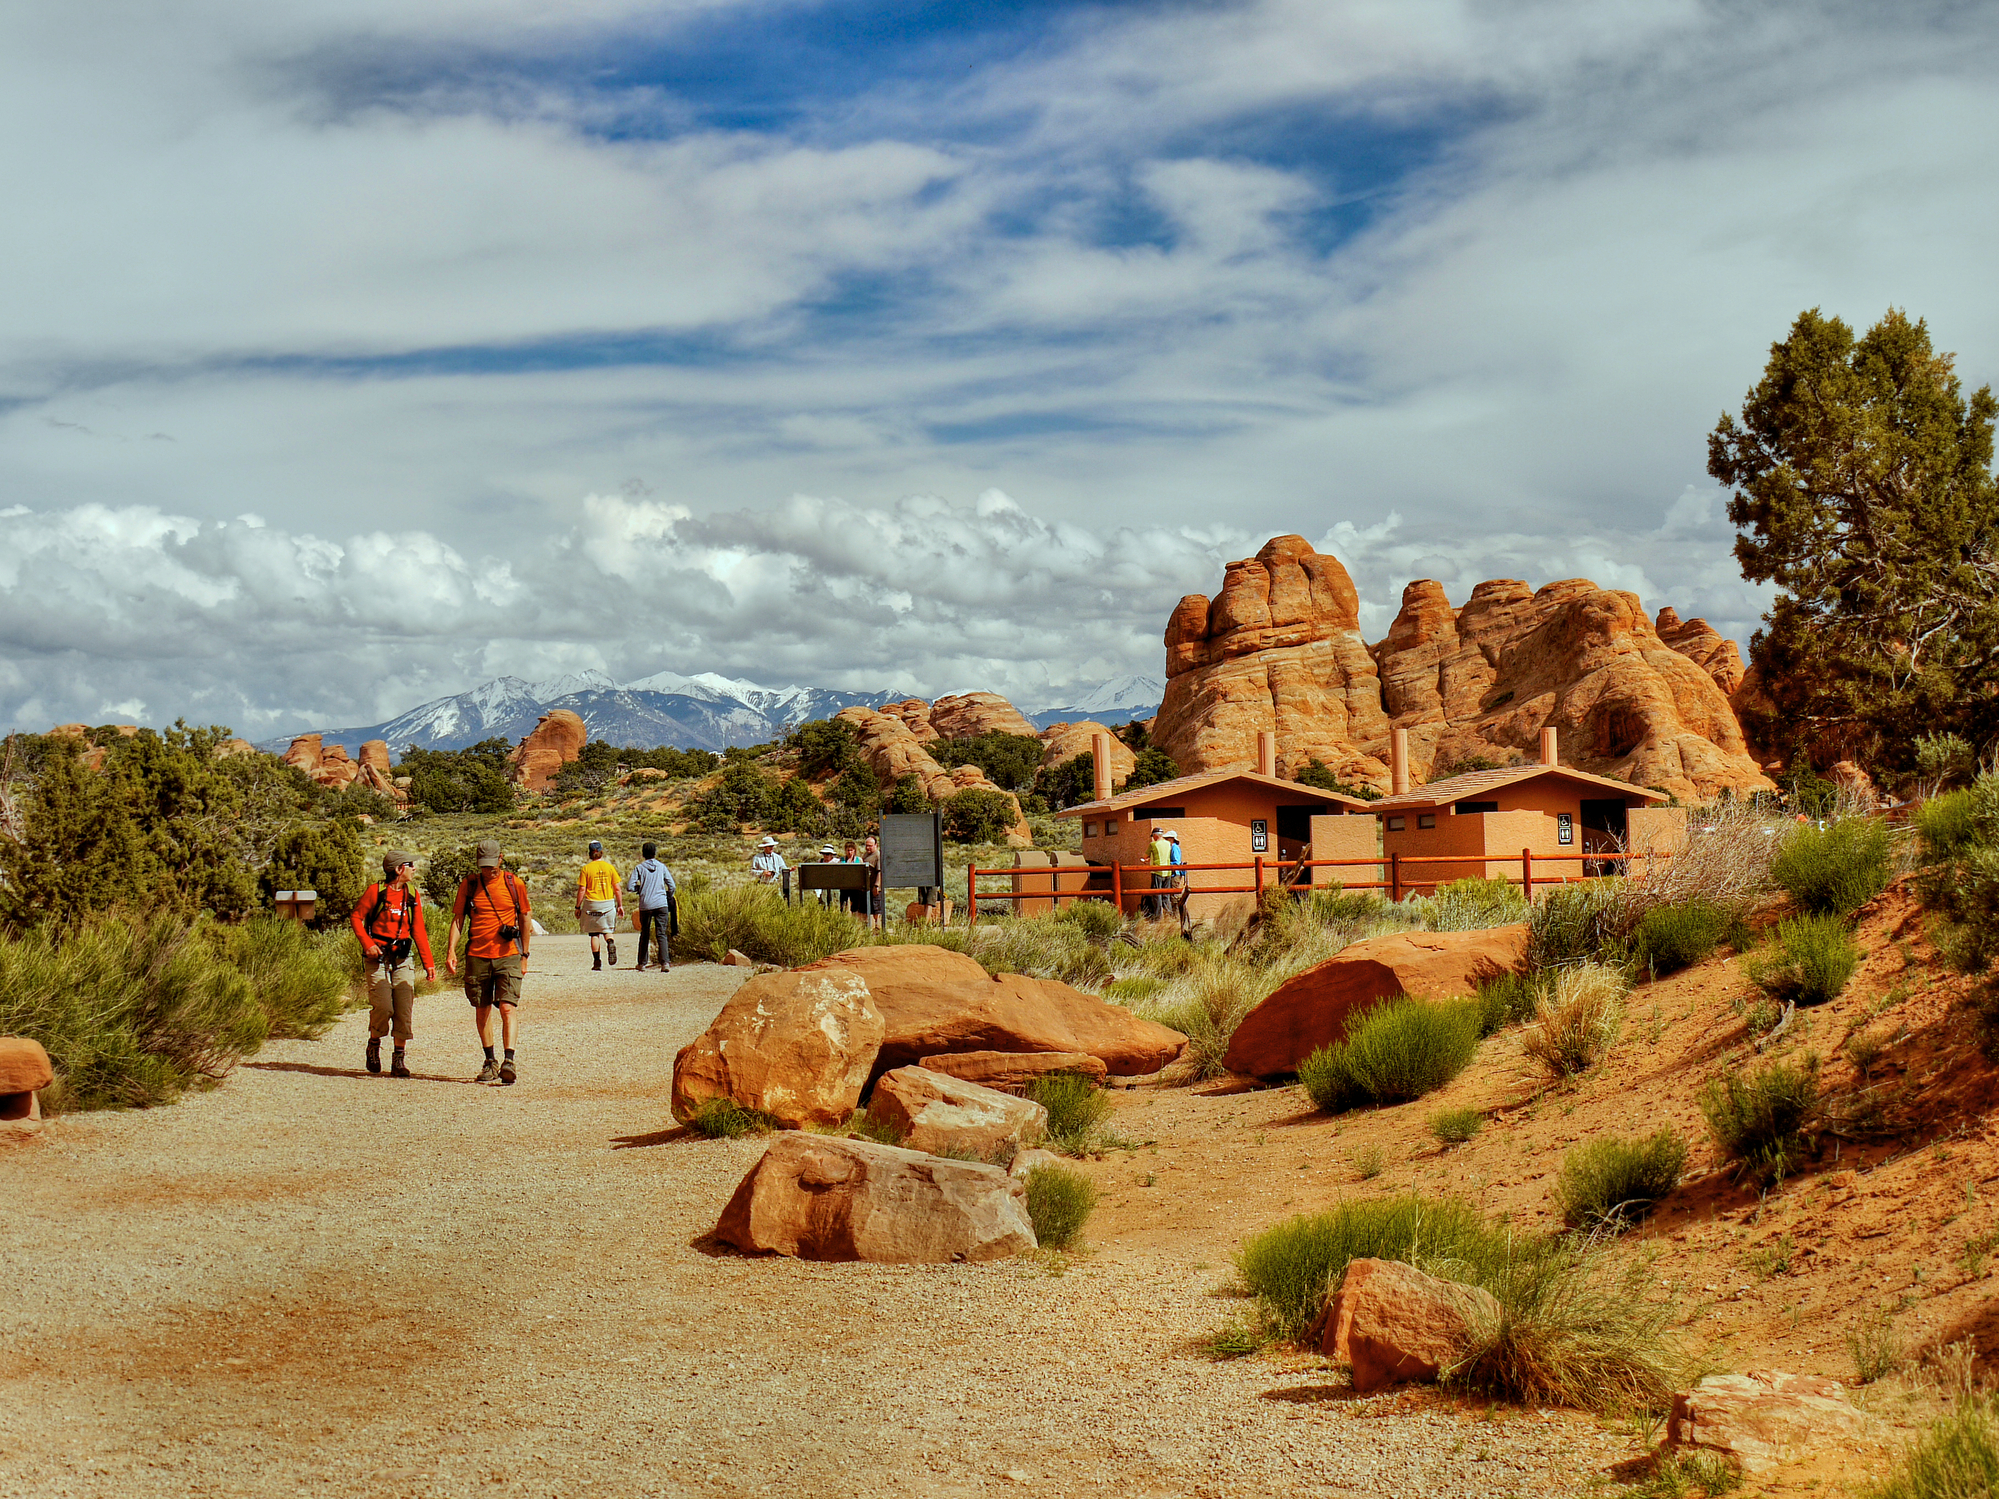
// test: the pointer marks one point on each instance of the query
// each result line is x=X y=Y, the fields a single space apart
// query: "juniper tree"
x=1863 y=489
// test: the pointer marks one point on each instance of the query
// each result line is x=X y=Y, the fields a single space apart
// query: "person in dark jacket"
x=651 y=883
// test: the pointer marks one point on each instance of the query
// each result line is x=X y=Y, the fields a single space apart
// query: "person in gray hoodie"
x=652 y=883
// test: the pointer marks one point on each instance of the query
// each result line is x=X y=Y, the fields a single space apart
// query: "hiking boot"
x=374 y=1053
x=611 y=950
x=489 y=1073
x=397 y=1066
x=507 y=1070
x=597 y=963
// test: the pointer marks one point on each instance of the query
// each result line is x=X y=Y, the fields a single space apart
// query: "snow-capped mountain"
x=703 y=711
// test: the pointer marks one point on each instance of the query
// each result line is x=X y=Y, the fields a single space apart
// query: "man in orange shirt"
x=496 y=957
x=389 y=922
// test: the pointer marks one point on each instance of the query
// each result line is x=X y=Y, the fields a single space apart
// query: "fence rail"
x=1116 y=888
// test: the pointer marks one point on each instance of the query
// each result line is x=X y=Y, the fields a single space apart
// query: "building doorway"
x=1605 y=830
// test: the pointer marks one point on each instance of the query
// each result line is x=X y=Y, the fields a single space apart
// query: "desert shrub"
x=1813 y=959
x=1399 y=1050
x=1290 y=1266
x=1455 y=1126
x=975 y=816
x=300 y=979
x=1765 y=1120
x=1950 y=826
x=1060 y=1200
x=1210 y=1002
x=755 y=920
x=1609 y=1182
x=1506 y=1000
x=1578 y=1020
x=1959 y=836
x=473 y=779
x=1956 y=1458
x=1097 y=918
x=1469 y=904
x=1577 y=924
x=1876 y=1347
x=133 y=1012
x=1688 y=1473
x=451 y=867
x=1369 y=1161
x=725 y=1119
x=1079 y=1111
x=1837 y=869
x=1672 y=937
x=1944 y=760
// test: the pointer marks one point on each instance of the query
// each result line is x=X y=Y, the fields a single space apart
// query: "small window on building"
x=1396 y=824
x=1426 y=820
x=1089 y=830
x=1465 y=809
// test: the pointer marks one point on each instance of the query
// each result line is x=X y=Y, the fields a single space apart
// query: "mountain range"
x=704 y=711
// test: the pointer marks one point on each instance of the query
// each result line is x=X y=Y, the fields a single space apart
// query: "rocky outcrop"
x=1278 y=648
x=24 y=1072
x=1314 y=1008
x=1064 y=741
x=332 y=767
x=1767 y=1418
x=557 y=740
x=797 y=1046
x=1395 y=1325
x=936 y=1112
x=821 y=1198
x=1699 y=642
x=914 y=715
x=934 y=1001
x=1013 y=1071
x=972 y=713
x=893 y=751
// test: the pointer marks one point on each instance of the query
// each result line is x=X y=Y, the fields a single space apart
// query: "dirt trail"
x=316 y=1281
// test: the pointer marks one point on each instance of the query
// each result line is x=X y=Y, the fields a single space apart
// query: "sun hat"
x=1173 y=835
x=489 y=854
x=768 y=842
x=395 y=859
x=827 y=848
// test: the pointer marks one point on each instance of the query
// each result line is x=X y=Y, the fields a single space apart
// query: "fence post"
x=1259 y=876
x=1395 y=877
x=1117 y=884
x=1527 y=874
x=972 y=895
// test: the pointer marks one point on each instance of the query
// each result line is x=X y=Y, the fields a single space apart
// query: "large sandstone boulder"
x=822 y=1198
x=1396 y=1325
x=914 y=715
x=1572 y=656
x=936 y=1112
x=797 y=1045
x=24 y=1072
x=934 y=1001
x=557 y=740
x=1013 y=1071
x=1064 y=741
x=1767 y=1418
x=1278 y=648
x=327 y=764
x=1697 y=640
x=893 y=751
x=972 y=713
x=1314 y=1008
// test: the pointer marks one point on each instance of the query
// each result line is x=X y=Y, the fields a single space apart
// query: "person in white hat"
x=767 y=863
x=828 y=855
x=1178 y=879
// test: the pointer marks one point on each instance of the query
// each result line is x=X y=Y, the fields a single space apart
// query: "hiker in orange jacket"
x=496 y=957
x=389 y=921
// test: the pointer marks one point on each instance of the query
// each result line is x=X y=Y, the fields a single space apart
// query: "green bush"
x=1009 y=760
x=1290 y=1266
x=448 y=869
x=1945 y=759
x=1672 y=937
x=1399 y=1050
x=133 y=1012
x=1097 y=918
x=1767 y=1120
x=468 y=780
x=1950 y=826
x=755 y=921
x=1612 y=1182
x=976 y=816
x=1813 y=959
x=1507 y=1000
x=1577 y=924
x=1456 y=1126
x=1060 y=1200
x=1956 y=1458
x=1078 y=1112
x=725 y=1119
x=324 y=857
x=301 y=979
x=1578 y=1020
x=1837 y=869
x=1470 y=904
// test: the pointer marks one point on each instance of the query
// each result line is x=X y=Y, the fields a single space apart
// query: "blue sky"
x=355 y=352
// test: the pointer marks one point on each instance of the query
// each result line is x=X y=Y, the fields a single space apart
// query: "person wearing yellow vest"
x=600 y=906
x=1159 y=853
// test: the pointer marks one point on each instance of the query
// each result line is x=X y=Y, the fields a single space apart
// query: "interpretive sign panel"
x=833 y=876
x=912 y=850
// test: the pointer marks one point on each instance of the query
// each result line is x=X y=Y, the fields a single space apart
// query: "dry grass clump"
x=725 y=1119
x=1455 y=1126
x=1608 y=1183
x=755 y=920
x=1578 y=1021
x=1469 y=904
x=1957 y=1458
x=1079 y=1112
x=1766 y=1120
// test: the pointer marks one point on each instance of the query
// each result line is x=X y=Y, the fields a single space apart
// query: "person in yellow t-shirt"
x=600 y=905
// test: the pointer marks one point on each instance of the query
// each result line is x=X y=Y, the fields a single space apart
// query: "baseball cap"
x=596 y=847
x=489 y=853
x=395 y=859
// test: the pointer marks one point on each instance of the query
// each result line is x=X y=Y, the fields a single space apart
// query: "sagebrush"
x=1835 y=869
x=1610 y=1182
x=1578 y=1020
x=1399 y=1050
x=1060 y=1200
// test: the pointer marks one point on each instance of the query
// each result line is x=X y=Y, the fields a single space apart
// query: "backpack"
x=395 y=950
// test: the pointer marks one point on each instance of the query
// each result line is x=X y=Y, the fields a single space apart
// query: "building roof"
x=1468 y=786
x=1166 y=791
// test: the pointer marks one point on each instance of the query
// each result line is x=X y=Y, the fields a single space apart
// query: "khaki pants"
x=391 y=990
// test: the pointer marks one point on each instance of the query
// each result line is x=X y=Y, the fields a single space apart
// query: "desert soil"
x=311 y=1280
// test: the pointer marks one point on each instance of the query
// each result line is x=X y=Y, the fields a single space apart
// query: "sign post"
x=912 y=845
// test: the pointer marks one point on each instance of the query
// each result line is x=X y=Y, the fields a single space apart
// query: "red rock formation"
x=1278 y=648
x=893 y=751
x=1696 y=639
x=557 y=740
x=938 y=1112
x=326 y=764
x=795 y=1046
x=973 y=713
x=1065 y=741
x=1394 y=1325
x=914 y=715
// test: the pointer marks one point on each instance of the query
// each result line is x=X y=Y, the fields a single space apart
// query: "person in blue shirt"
x=652 y=883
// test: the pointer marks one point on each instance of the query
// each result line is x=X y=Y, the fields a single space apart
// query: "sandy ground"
x=311 y=1280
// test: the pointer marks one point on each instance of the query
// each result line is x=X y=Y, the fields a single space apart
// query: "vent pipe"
x=1550 y=755
x=1100 y=752
x=1266 y=753
x=1398 y=762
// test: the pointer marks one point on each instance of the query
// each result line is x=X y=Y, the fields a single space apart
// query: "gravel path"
x=316 y=1281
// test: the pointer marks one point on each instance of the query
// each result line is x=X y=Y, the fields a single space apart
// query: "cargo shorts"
x=493 y=981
